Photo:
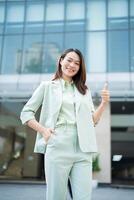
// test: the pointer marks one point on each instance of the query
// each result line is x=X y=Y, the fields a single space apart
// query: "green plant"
x=96 y=167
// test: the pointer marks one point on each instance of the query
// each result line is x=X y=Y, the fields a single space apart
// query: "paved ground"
x=37 y=192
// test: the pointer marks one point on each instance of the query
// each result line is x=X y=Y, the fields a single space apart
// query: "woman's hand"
x=105 y=95
x=47 y=133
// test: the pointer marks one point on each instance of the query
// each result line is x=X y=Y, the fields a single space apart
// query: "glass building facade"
x=33 y=33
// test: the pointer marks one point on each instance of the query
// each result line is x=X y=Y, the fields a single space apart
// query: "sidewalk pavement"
x=37 y=192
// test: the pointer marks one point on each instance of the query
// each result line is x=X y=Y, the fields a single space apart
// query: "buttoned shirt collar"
x=66 y=83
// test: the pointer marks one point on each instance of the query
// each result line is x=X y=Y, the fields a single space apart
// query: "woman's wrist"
x=103 y=103
x=43 y=131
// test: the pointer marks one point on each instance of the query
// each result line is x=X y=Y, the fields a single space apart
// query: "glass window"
x=2 y=16
x=75 y=15
x=75 y=40
x=35 y=12
x=96 y=15
x=15 y=17
x=34 y=16
x=55 y=20
x=32 y=56
x=96 y=52
x=52 y=50
x=118 y=51
x=78 y=7
x=0 y=51
x=117 y=14
x=132 y=50
x=132 y=13
x=2 y=12
x=12 y=52
x=53 y=6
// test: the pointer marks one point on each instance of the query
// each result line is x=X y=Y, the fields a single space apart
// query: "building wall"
x=103 y=134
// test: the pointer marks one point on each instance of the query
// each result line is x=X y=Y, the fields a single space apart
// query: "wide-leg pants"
x=64 y=159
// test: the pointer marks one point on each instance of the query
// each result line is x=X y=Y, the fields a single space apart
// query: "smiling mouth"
x=70 y=70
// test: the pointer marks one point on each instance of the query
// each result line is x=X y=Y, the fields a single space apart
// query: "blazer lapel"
x=58 y=101
x=57 y=91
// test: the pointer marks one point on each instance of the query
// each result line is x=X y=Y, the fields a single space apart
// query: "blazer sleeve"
x=30 y=108
x=91 y=102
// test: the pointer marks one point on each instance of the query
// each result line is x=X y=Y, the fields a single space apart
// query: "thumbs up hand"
x=105 y=95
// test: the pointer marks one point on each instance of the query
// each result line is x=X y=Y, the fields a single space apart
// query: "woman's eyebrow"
x=73 y=59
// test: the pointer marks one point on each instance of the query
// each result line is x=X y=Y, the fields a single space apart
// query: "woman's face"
x=70 y=64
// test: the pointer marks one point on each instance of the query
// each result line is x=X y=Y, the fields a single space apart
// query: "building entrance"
x=122 y=125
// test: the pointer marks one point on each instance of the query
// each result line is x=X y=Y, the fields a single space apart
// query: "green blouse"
x=67 y=113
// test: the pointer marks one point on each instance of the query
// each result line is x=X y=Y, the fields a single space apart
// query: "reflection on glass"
x=118 y=14
x=132 y=13
x=17 y=160
x=15 y=17
x=12 y=140
x=34 y=16
x=54 y=15
x=75 y=20
x=96 y=52
x=118 y=51
x=132 y=50
x=2 y=14
x=0 y=46
x=52 y=49
x=75 y=40
x=32 y=57
x=12 y=53
x=96 y=15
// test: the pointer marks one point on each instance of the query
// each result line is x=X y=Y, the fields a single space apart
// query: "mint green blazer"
x=48 y=95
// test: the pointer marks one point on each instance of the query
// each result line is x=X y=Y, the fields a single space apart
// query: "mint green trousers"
x=64 y=160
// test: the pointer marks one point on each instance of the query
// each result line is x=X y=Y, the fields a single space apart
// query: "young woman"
x=65 y=131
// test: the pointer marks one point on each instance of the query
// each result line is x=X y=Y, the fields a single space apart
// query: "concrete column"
x=103 y=134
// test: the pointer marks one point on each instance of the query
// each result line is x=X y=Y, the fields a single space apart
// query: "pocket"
x=50 y=139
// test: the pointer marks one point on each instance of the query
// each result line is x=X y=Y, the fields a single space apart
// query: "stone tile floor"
x=37 y=192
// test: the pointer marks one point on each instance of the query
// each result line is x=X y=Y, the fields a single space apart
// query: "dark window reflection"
x=32 y=56
x=12 y=53
x=17 y=159
x=0 y=49
x=118 y=51
x=34 y=27
x=117 y=23
x=75 y=25
x=12 y=140
x=52 y=49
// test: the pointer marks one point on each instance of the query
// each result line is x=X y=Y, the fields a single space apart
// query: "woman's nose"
x=72 y=64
